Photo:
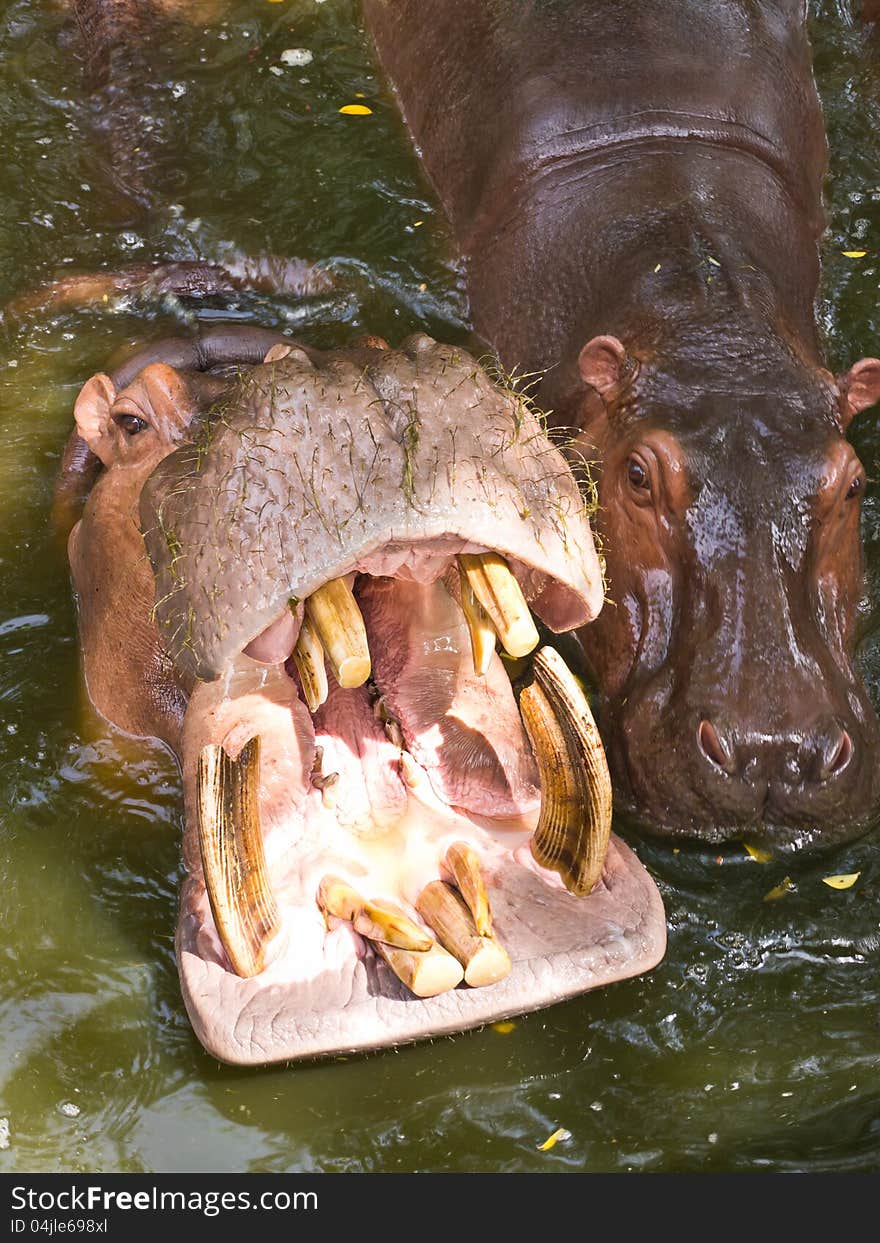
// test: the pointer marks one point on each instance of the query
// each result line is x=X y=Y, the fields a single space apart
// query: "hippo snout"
x=787 y=774
x=812 y=756
x=793 y=784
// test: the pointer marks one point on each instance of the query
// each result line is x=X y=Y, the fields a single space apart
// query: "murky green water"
x=756 y=1044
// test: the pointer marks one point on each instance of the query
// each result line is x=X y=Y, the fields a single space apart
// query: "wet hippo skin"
x=119 y=53
x=637 y=192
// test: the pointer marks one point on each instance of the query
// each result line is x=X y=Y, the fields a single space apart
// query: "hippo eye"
x=854 y=488
x=130 y=423
x=637 y=474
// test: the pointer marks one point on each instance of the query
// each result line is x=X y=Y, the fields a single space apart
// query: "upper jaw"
x=267 y=505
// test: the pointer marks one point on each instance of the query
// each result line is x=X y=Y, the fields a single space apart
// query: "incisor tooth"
x=480 y=628
x=233 y=858
x=308 y=656
x=378 y=921
x=575 y=820
x=425 y=974
x=484 y=959
x=490 y=578
x=463 y=863
x=334 y=613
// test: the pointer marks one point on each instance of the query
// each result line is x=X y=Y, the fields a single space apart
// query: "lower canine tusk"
x=233 y=858
x=574 y=825
x=494 y=586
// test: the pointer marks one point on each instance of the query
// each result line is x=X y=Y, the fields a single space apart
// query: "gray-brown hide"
x=311 y=471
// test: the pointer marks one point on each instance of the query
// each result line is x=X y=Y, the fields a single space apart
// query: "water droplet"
x=297 y=56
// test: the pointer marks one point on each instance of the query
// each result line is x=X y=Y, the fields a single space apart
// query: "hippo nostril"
x=837 y=755
x=713 y=748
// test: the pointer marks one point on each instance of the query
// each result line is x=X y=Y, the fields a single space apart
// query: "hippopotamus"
x=122 y=49
x=296 y=569
x=636 y=189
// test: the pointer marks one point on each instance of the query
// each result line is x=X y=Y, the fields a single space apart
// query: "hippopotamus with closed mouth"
x=296 y=568
x=636 y=189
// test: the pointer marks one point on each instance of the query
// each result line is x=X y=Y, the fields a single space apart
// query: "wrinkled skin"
x=219 y=490
x=637 y=191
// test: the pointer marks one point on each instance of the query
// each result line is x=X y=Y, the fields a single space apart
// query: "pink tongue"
x=465 y=730
x=369 y=796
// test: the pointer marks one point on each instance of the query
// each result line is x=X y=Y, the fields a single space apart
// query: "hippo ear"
x=859 y=388
x=92 y=414
x=604 y=364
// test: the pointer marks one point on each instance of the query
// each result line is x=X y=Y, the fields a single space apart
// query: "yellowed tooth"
x=233 y=859
x=426 y=974
x=484 y=959
x=308 y=656
x=463 y=863
x=334 y=613
x=495 y=588
x=574 y=825
x=481 y=631
x=378 y=921
x=411 y=771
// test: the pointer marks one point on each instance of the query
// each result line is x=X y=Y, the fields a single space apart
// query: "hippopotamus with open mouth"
x=637 y=191
x=295 y=568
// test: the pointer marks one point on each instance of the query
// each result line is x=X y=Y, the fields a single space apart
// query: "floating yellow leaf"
x=552 y=1140
x=854 y=254
x=356 y=110
x=845 y=881
x=756 y=853
x=786 y=885
x=418 y=223
x=505 y=1028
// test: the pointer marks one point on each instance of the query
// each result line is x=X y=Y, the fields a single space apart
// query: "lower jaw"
x=324 y=989
x=327 y=991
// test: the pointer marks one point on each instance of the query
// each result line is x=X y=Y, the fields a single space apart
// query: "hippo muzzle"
x=391 y=830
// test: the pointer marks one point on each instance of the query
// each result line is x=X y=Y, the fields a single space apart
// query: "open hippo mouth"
x=385 y=839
